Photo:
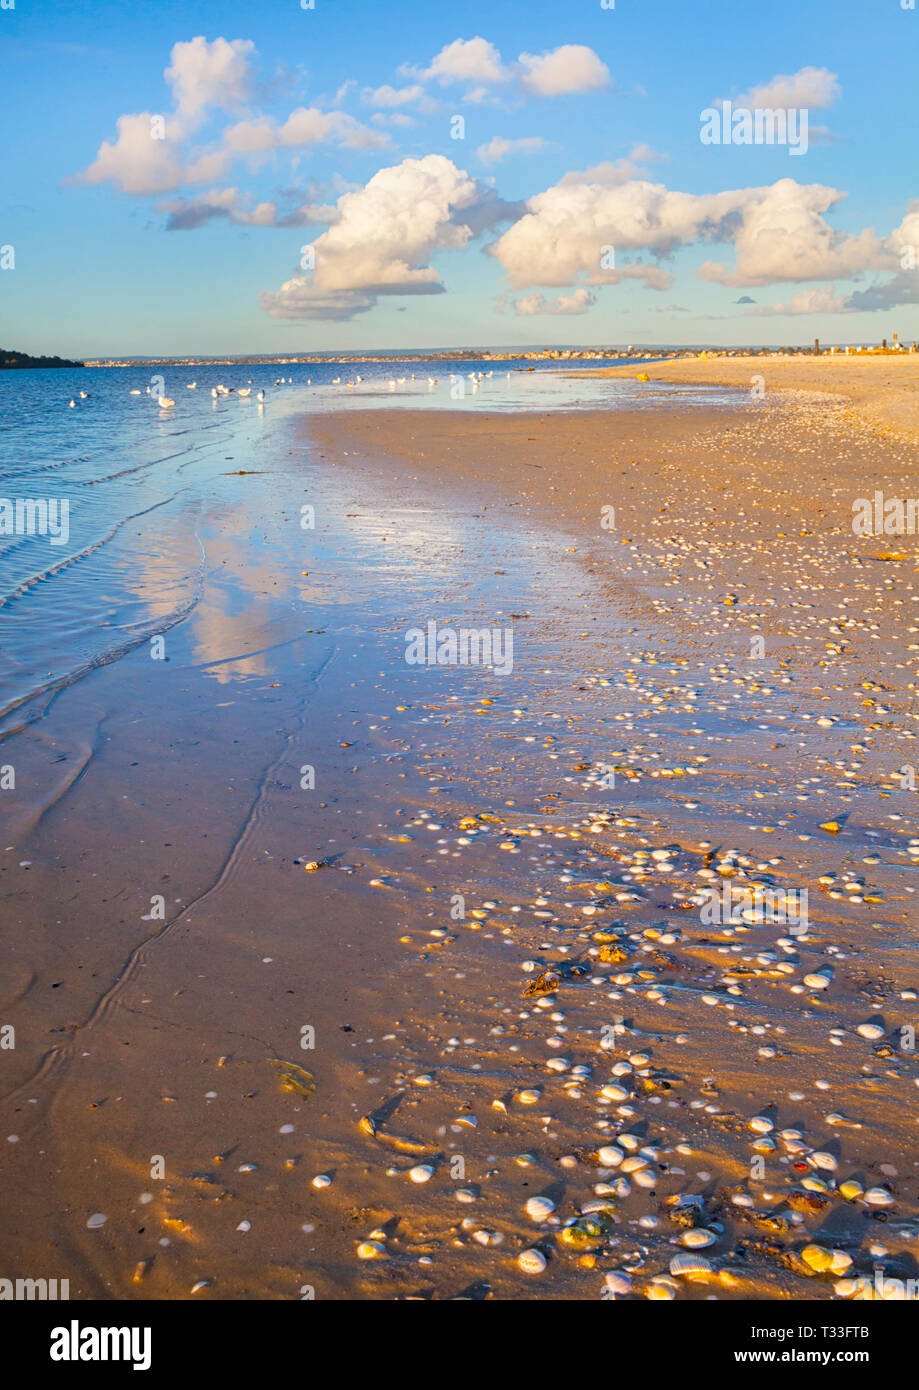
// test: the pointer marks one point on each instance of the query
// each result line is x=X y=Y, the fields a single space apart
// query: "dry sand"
x=883 y=389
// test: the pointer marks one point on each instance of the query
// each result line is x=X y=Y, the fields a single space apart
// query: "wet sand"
x=383 y=1014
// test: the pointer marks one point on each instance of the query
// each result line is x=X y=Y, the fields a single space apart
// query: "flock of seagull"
x=167 y=403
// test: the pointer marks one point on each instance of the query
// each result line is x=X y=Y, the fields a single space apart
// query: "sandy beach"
x=881 y=390
x=381 y=980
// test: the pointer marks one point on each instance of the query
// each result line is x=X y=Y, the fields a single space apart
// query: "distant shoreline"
x=11 y=360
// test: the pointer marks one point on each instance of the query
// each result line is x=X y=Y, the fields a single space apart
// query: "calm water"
x=115 y=470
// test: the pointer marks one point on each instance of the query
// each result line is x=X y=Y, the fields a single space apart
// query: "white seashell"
x=531 y=1261
x=463 y=1194
x=538 y=1208
x=878 y=1197
x=761 y=1124
x=817 y=981
x=528 y=1097
x=614 y=1092
x=617 y=1282
x=633 y=1164
x=321 y=1180
x=371 y=1250
x=689 y=1266
x=96 y=1221
x=609 y=1156
x=659 y=1292
x=422 y=1172
x=697 y=1239
x=871 y=1031
x=822 y=1160
x=244 y=1226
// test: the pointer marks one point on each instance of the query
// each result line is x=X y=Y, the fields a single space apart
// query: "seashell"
x=644 y=1178
x=422 y=1172
x=850 y=1189
x=96 y=1221
x=879 y=1197
x=465 y=1194
x=371 y=1250
x=872 y=1031
x=614 y=1092
x=761 y=1124
x=697 y=1239
x=609 y=1156
x=825 y=1161
x=821 y=1260
x=531 y=1261
x=321 y=1180
x=633 y=1164
x=817 y=981
x=617 y=1282
x=538 y=1208
x=488 y=1237
x=659 y=1292
x=529 y=1096
x=690 y=1266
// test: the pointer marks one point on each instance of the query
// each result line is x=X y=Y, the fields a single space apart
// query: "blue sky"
x=284 y=128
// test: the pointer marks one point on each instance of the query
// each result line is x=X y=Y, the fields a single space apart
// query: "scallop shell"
x=690 y=1266
x=538 y=1208
x=531 y=1261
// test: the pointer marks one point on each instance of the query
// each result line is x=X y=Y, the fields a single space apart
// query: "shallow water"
x=123 y=567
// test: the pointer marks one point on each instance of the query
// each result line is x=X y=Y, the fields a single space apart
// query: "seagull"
x=336 y=380
x=134 y=393
x=165 y=402
x=401 y=380
x=84 y=395
x=309 y=381
x=190 y=385
x=261 y=398
x=214 y=392
x=358 y=378
x=392 y=386
x=244 y=391
x=73 y=405
x=430 y=382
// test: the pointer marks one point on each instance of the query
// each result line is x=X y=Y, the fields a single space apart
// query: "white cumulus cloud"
x=571 y=68
x=384 y=237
